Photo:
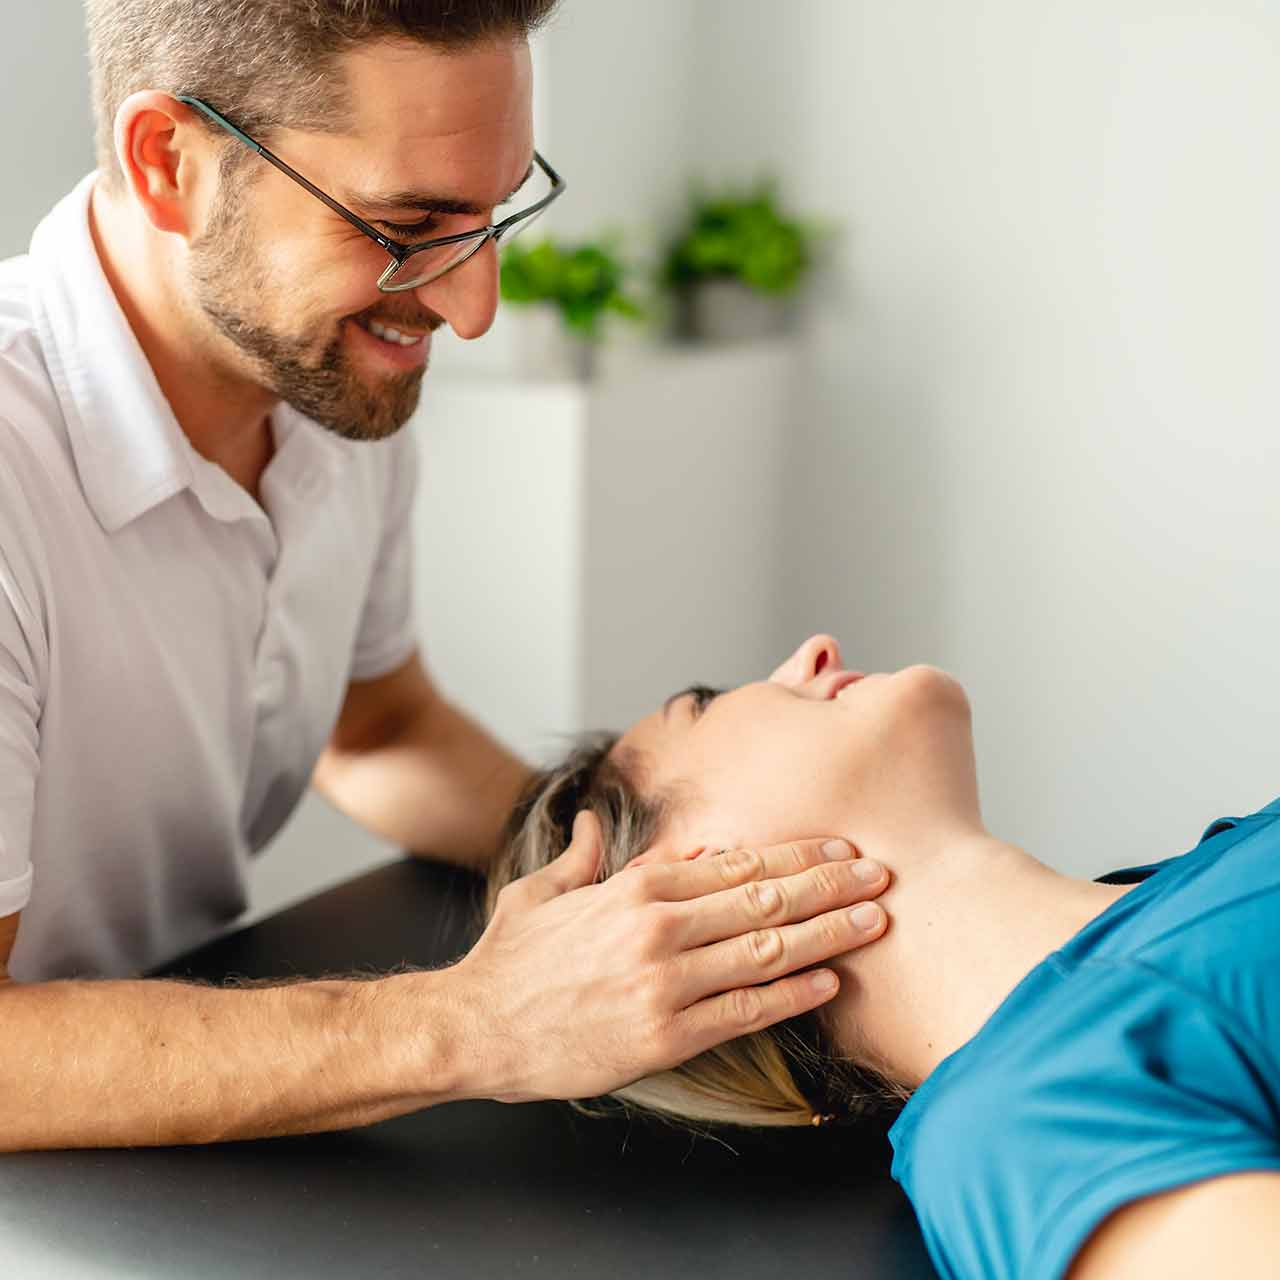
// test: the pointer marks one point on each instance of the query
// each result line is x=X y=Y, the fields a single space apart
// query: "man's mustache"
x=418 y=319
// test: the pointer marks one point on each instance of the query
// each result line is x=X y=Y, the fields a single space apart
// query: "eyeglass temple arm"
x=398 y=251
x=222 y=122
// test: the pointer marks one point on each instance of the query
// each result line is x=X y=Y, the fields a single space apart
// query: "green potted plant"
x=737 y=266
x=582 y=283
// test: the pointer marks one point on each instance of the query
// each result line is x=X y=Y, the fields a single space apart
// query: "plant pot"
x=728 y=311
x=545 y=349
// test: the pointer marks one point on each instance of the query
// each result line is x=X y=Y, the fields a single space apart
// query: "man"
x=205 y=365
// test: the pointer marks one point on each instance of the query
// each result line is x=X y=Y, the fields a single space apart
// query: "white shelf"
x=583 y=550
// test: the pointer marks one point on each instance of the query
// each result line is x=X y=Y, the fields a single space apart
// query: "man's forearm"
x=157 y=1063
x=442 y=787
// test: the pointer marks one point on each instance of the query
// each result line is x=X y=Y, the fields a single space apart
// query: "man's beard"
x=326 y=387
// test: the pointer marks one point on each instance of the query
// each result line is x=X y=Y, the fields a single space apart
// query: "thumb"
x=576 y=867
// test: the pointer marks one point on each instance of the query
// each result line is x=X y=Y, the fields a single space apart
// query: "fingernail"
x=824 y=981
x=867 y=869
x=866 y=916
x=836 y=849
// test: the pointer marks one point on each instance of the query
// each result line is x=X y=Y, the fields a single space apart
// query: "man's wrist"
x=435 y=1048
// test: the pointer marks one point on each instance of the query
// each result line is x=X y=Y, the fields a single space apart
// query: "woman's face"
x=814 y=750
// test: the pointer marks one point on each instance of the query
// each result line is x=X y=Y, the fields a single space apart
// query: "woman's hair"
x=787 y=1074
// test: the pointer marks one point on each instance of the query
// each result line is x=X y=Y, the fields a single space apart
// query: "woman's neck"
x=966 y=925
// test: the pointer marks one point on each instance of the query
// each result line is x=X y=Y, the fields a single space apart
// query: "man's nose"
x=467 y=296
x=817 y=654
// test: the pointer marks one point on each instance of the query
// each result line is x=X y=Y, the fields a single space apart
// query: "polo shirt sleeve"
x=22 y=666
x=387 y=635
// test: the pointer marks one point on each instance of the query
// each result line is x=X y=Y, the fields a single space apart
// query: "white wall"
x=46 y=145
x=1042 y=440
x=498 y=597
x=614 y=90
x=1038 y=441
x=619 y=85
x=683 y=540
x=583 y=550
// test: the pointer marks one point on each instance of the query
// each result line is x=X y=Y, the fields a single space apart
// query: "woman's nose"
x=817 y=654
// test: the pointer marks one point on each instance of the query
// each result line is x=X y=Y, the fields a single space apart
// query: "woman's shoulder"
x=1205 y=918
x=1099 y=1084
x=1242 y=826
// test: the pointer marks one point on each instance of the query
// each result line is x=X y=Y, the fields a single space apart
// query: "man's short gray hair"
x=268 y=63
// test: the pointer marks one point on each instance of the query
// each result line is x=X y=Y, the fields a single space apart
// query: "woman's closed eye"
x=703 y=695
x=700 y=694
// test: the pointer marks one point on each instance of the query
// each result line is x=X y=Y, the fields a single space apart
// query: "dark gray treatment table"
x=467 y=1190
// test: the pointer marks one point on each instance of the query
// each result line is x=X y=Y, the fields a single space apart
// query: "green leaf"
x=583 y=281
x=742 y=235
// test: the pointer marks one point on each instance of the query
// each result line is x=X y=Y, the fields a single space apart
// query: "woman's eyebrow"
x=418 y=201
x=701 y=691
x=675 y=697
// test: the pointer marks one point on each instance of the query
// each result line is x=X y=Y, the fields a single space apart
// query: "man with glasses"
x=206 y=362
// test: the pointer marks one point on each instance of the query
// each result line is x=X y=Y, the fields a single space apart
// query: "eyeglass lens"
x=430 y=264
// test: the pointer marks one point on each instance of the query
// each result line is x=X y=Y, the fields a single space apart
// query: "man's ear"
x=162 y=150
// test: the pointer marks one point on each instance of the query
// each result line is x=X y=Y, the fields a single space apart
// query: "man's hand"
x=579 y=988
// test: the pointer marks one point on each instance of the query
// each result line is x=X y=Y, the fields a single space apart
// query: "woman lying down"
x=1089 y=1068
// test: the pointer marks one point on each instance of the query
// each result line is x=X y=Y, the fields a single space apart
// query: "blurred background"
x=1019 y=420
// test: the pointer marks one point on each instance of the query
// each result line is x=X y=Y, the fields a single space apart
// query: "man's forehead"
x=415 y=92
x=425 y=199
x=436 y=131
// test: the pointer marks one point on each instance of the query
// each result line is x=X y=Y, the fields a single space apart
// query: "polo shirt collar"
x=129 y=448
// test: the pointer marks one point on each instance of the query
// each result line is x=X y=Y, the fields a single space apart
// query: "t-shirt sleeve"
x=1123 y=1086
x=387 y=635
x=1194 y=1098
x=22 y=666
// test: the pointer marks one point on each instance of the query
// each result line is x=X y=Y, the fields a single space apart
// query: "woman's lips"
x=842 y=681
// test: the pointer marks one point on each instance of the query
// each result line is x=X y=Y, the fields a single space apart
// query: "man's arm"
x=1227 y=1226
x=157 y=1063
x=8 y=936
x=145 y=1063
x=152 y=1063
x=410 y=767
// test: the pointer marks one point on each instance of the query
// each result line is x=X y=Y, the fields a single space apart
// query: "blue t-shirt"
x=1141 y=1056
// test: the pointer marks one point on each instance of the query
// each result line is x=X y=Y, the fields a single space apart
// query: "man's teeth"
x=388 y=334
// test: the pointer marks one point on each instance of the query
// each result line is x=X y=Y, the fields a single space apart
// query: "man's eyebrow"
x=417 y=201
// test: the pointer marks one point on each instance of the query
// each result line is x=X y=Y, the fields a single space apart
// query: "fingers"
x=766 y=954
x=577 y=866
x=737 y=1013
x=680 y=881
x=762 y=904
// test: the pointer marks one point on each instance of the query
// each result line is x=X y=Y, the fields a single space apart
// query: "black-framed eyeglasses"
x=412 y=265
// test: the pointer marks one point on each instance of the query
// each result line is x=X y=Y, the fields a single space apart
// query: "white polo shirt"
x=173 y=656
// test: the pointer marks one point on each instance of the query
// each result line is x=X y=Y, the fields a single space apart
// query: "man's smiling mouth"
x=388 y=334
